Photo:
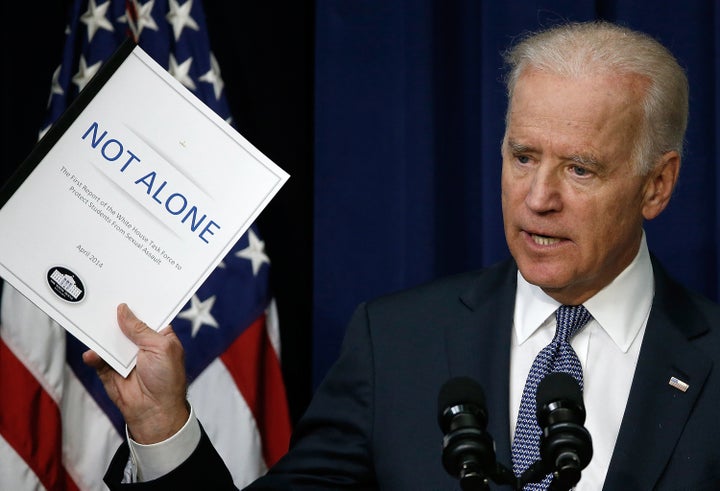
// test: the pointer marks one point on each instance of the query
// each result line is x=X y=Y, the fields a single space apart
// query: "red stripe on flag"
x=255 y=367
x=30 y=422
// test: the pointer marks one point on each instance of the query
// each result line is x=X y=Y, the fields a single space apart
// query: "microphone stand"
x=565 y=476
x=472 y=478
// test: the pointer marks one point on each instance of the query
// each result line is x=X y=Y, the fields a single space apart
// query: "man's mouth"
x=544 y=240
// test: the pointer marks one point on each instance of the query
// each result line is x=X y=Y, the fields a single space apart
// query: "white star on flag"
x=199 y=314
x=95 y=18
x=55 y=87
x=213 y=77
x=144 y=18
x=181 y=72
x=179 y=17
x=85 y=73
x=255 y=252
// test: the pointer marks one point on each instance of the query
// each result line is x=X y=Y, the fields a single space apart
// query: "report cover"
x=134 y=195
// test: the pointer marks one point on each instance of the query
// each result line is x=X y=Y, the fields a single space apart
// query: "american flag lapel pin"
x=678 y=384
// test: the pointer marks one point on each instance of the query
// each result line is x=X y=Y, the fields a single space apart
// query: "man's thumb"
x=131 y=326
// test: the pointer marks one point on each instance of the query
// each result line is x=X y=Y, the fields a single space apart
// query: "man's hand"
x=152 y=398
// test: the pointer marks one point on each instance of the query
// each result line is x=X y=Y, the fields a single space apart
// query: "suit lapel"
x=478 y=346
x=656 y=411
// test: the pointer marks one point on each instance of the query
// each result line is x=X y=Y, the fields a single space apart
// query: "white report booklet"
x=134 y=195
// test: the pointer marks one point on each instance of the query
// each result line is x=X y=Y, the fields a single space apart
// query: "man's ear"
x=660 y=184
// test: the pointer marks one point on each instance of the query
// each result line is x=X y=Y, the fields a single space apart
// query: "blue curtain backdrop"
x=409 y=110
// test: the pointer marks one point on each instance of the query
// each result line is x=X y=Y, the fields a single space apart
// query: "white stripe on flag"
x=89 y=439
x=14 y=472
x=34 y=338
x=228 y=422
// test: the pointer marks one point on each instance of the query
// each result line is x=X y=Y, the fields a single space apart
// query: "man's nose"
x=544 y=194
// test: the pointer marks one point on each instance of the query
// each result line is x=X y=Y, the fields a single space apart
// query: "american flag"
x=58 y=429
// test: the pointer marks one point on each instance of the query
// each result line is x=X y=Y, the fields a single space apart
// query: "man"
x=592 y=148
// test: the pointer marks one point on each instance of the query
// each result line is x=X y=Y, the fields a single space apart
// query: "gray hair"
x=576 y=49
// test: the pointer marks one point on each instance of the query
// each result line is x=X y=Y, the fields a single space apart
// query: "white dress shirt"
x=148 y=462
x=608 y=348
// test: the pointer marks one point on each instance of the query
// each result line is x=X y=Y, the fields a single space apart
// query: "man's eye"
x=579 y=171
x=523 y=159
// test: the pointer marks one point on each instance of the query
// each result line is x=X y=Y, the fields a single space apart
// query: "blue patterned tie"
x=558 y=356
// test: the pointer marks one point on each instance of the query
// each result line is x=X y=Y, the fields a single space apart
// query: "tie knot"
x=570 y=318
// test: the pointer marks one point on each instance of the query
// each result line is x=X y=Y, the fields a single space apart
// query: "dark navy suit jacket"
x=372 y=423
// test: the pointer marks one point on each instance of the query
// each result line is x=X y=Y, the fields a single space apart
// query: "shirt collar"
x=621 y=308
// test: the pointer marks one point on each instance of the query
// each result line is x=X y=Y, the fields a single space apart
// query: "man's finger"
x=92 y=359
x=103 y=370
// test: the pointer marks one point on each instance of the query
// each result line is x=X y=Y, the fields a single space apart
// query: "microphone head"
x=565 y=444
x=559 y=390
x=461 y=395
x=468 y=451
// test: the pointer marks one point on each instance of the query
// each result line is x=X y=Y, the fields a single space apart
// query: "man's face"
x=572 y=205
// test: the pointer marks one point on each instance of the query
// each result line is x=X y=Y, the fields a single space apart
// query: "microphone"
x=468 y=451
x=565 y=444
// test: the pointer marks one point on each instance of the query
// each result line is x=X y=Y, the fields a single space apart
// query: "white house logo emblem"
x=65 y=284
